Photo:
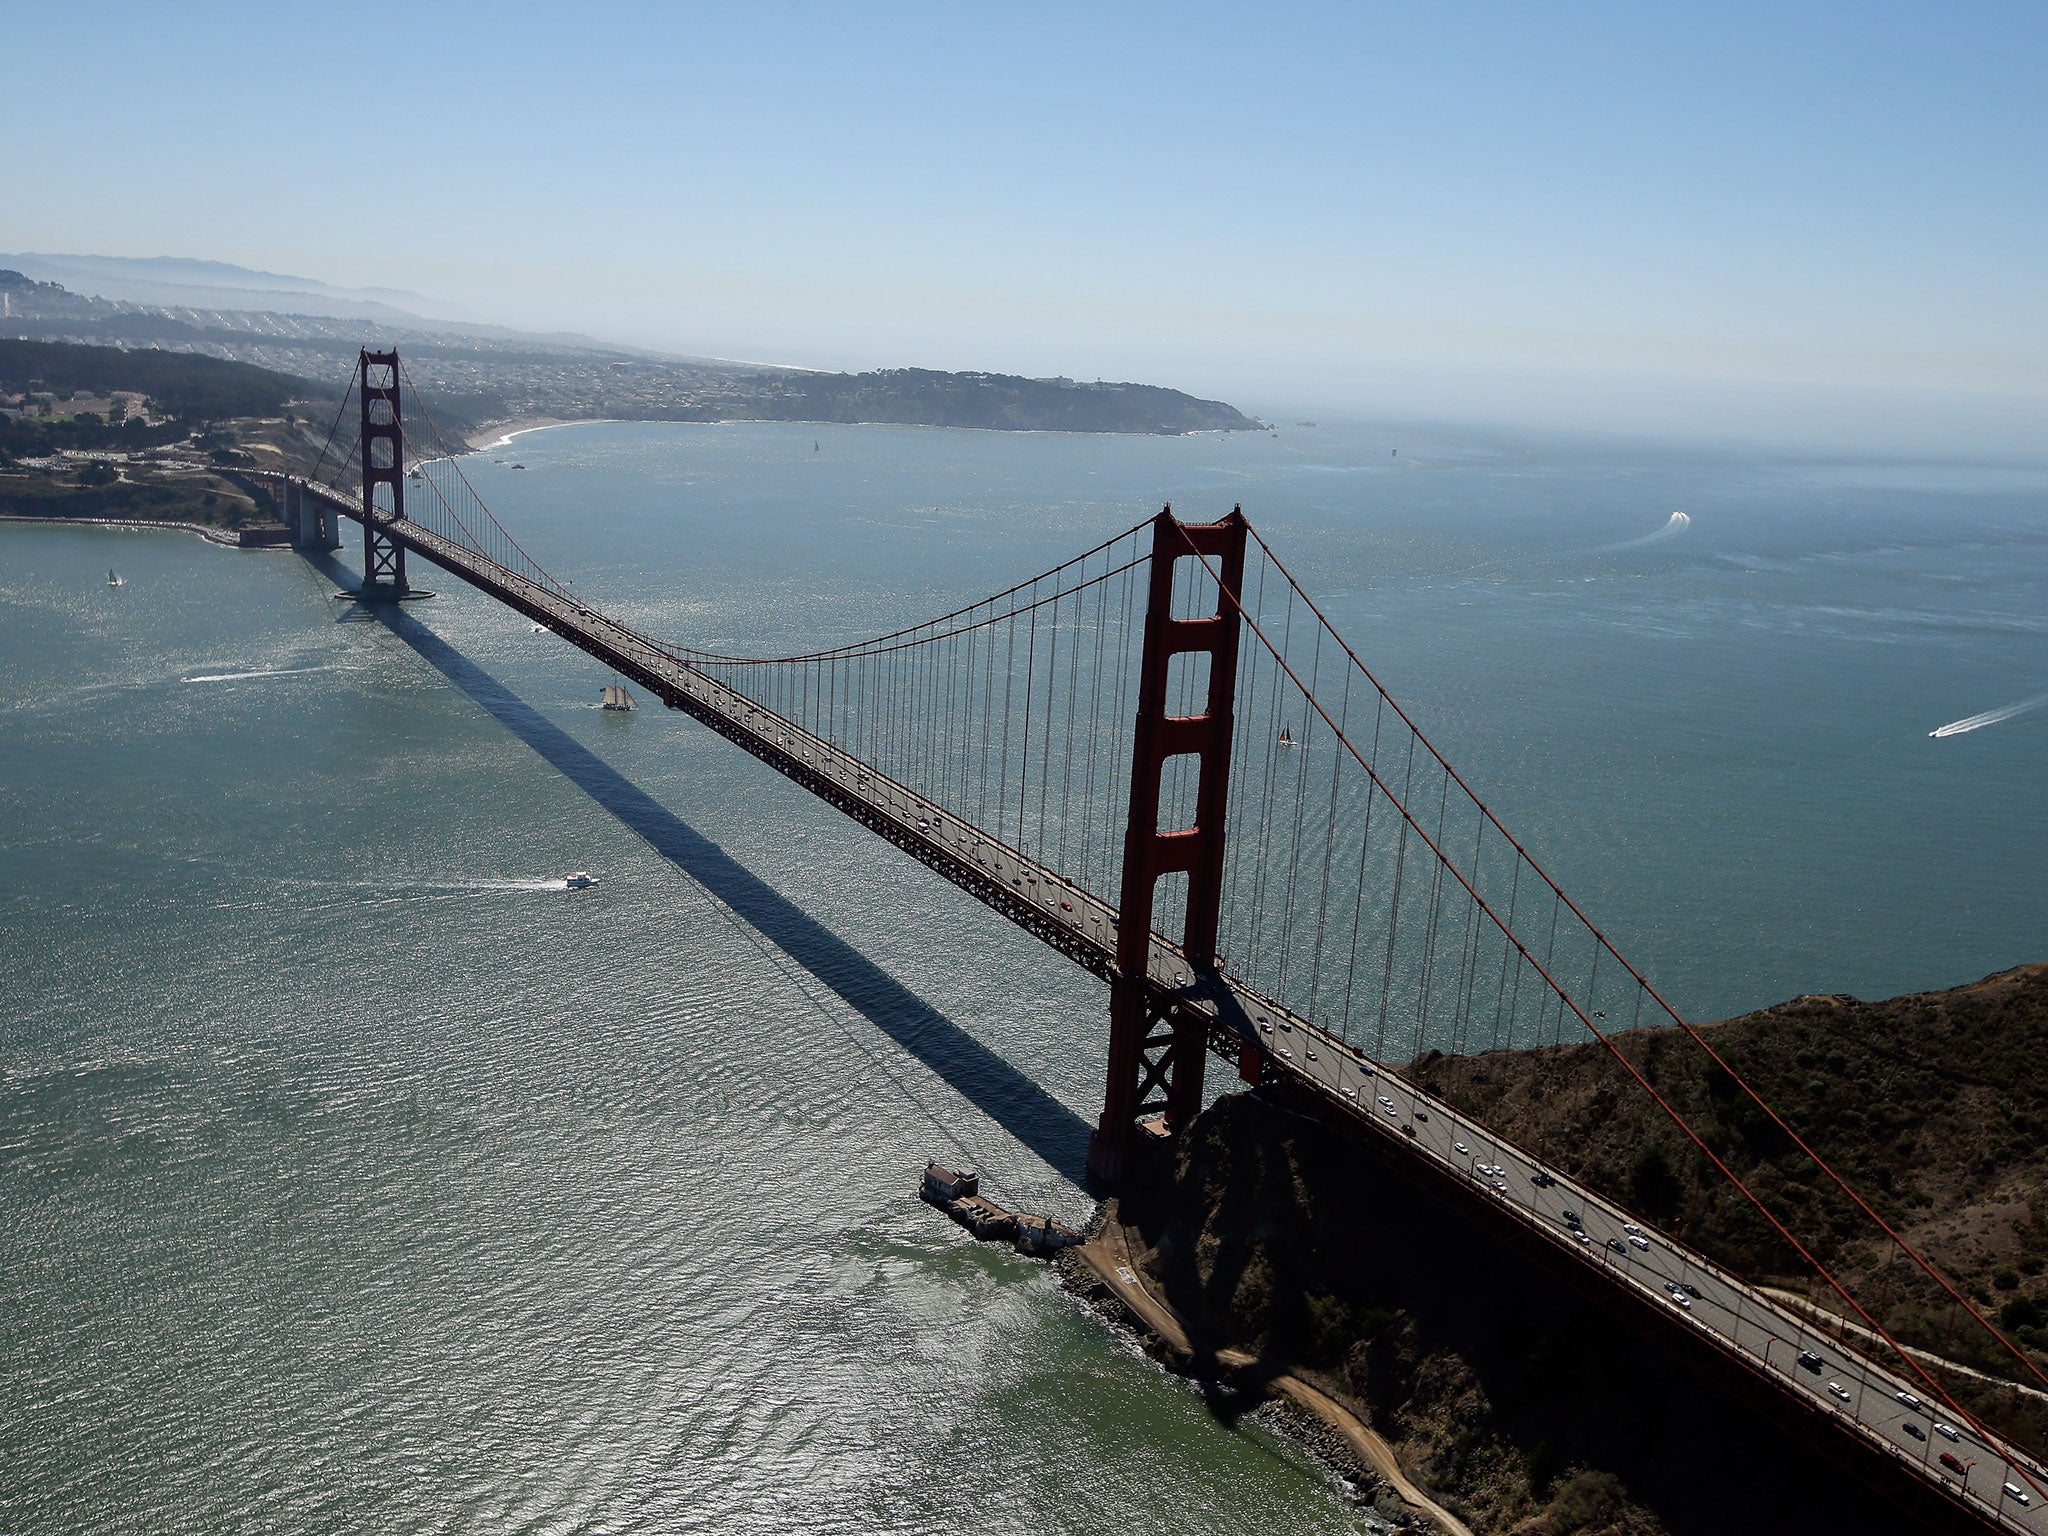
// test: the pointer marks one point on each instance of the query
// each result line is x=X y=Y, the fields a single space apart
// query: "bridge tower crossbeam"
x=1157 y=1049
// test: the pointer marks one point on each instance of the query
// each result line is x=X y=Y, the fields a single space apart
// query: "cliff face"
x=1517 y=1401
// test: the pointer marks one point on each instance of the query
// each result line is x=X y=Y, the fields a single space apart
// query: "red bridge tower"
x=1156 y=1047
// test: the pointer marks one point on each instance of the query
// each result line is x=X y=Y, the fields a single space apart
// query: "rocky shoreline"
x=1097 y=1273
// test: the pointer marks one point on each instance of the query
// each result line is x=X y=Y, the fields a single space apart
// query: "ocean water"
x=355 y=1176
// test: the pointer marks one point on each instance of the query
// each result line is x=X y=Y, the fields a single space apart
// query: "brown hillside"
x=1932 y=1106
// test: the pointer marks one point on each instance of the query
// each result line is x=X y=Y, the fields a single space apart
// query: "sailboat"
x=1286 y=737
x=112 y=579
x=616 y=697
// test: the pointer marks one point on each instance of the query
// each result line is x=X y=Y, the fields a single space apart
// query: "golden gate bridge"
x=1161 y=759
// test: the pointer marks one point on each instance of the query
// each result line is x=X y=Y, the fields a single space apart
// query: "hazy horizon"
x=1820 y=229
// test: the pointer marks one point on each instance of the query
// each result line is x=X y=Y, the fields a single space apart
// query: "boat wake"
x=1997 y=716
x=1676 y=524
x=236 y=677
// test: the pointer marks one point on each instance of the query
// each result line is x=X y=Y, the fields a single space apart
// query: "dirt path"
x=1108 y=1254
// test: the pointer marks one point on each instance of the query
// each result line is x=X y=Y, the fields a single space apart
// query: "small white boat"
x=616 y=697
x=582 y=880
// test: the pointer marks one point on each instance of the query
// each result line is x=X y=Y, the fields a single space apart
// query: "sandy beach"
x=500 y=434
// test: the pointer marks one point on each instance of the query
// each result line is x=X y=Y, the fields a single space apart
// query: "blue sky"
x=1751 y=218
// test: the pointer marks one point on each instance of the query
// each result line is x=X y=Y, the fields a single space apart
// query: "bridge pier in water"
x=1156 y=1049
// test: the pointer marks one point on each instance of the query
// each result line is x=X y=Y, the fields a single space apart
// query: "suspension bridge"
x=1161 y=759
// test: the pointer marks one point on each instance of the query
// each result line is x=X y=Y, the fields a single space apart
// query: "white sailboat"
x=616 y=697
x=112 y=579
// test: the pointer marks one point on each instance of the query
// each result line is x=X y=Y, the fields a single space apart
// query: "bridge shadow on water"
x=994 y=1085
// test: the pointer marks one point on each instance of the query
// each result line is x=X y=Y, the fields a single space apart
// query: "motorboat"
x=582 y=880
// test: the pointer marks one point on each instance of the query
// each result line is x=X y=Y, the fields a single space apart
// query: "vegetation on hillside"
x=173 y=457
x=1519 y=1402
x=183 y=385
x=1930 y=1106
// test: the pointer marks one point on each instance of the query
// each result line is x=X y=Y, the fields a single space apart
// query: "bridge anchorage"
x=1161 y=760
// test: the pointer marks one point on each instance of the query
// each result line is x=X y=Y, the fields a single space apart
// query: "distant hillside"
x=179 y=281
x=922 y=397
x=478 y=373
x=181 y=384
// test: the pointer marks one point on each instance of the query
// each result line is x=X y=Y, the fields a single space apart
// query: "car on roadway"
x=1569 y=1218
x=1351 y=1093
x=2017 y=1494
x=1461 y=1149
x=1948 y=1432
x=1953 y=1464
x=1911 y=1401
x=1422 y=1114
x=1631 y=1229
x=1809 y=1361
x=1265 y=1028
x=1838 y=1392
x=1065 y=905
x=1385 y=1102
x=1541 y=1180
x=1286 y=1054
x=1678 y=1300
x=1581 y=1236
x=1618 y=1246
x=1913 y=1429
x=1311 y=1055
x=1639 y=1241
x=1691 y=1290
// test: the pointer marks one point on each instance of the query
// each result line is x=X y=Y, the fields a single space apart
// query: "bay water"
x=356 y=1176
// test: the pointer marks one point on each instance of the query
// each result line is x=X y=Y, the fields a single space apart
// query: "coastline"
x=1103 y=1271
x=227 y=538
x=500 y=434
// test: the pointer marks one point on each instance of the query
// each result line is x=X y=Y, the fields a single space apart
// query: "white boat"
x=582 y=880
x=616 y=697
x=112 y=579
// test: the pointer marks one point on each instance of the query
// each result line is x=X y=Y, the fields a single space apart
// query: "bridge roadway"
x=1862 y=1397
